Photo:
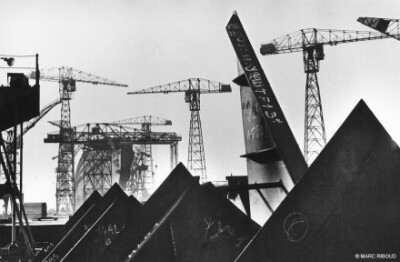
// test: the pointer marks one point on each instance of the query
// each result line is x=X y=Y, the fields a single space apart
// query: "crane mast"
x=67 y=78
x=192 y=88
x=311 y=42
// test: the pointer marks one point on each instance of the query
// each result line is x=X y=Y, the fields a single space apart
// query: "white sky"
x=147 y=43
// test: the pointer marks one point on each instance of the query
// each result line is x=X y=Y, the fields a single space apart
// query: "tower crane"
x=311 y=42
x=99 y=140
x=192 y=88
x=146 y=179
x=387 y=26
x=67 y=78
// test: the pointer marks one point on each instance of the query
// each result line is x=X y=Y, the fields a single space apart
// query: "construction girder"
x=101 y=134
x=387 y=26
x=31 y=123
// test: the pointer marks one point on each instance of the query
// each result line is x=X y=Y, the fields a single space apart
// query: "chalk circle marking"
x=295 y=226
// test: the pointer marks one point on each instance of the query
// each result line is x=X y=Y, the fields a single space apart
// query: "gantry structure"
x=99 y=141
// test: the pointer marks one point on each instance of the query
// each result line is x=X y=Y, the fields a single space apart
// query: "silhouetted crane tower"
x=146 y=179
x=311 y=42
x=67 y=78
x=192 y=88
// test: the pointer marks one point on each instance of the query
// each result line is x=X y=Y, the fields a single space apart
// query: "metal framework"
x=19 y=103
x=311 y=42
x=192 y=88
x=9 y=144
x=387 y=26
x=142 y=178
x=67 y=78
x=101 y=140
x=98 y=172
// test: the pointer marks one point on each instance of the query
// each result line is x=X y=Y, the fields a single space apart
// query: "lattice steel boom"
x=192 y=88
x=67 y=78
x=310 y=42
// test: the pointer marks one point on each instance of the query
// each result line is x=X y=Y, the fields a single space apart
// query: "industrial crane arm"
x=312 y=37
x=31 y=123
x=69 y=73
x=147 y=119
x=388 y=26
x=202 y=86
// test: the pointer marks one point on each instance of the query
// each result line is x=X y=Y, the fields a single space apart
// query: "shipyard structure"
x=339 y=201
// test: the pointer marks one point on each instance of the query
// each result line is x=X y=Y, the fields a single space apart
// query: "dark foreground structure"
x=344 y=206
x=182 y=221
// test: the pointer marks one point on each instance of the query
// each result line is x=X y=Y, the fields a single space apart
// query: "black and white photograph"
x=199 y=131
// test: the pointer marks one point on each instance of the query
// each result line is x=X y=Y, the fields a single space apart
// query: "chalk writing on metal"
x=295 y=226
x=215 y=230
x=253 y=71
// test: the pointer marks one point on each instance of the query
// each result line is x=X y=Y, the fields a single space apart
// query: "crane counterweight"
x=387 y=26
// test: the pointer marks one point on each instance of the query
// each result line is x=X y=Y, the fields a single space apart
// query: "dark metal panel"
x=347 y=203
x=158 y=248
x=176 y=184
x=104 y=230
x=93 y=199
x=169 y=191
x=84 y=223
x=208 y=227
x=19 y=102
x=205 y=226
